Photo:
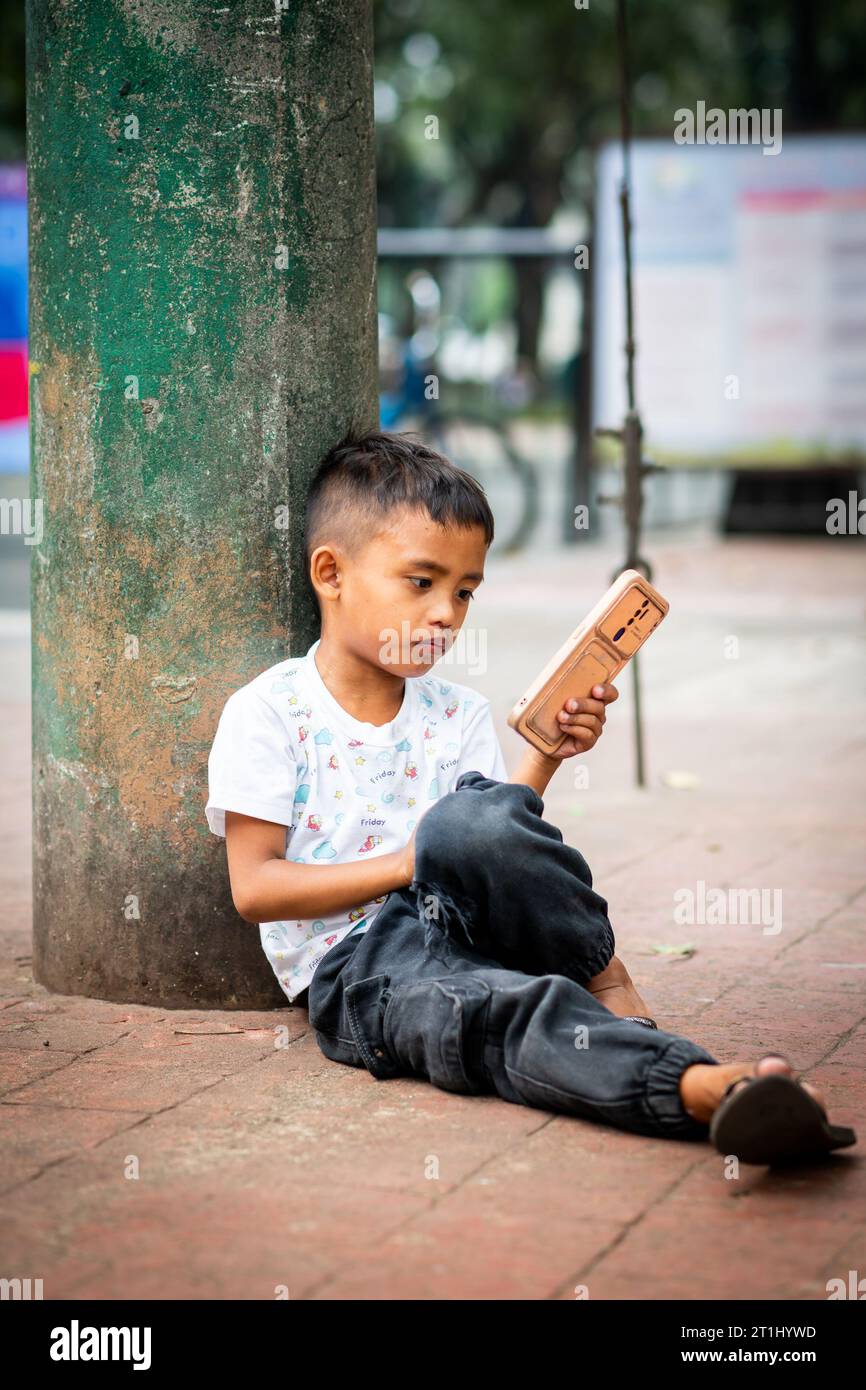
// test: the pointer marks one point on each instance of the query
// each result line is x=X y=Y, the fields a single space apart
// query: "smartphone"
x=594 y=654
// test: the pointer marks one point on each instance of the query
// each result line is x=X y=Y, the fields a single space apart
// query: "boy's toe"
x=774 y=1064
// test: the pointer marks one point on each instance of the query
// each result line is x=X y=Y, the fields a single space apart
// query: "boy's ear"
x=325 y=572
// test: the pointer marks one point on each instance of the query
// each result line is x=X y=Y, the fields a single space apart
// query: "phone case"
x=595 y=652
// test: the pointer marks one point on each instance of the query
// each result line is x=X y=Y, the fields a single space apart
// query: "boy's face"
x=404 y=596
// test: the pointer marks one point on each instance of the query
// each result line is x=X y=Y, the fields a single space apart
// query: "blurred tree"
x=487 y=112
x=522 y=88
x=11 y=79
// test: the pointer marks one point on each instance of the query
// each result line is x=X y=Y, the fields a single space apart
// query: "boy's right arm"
x=267 y=887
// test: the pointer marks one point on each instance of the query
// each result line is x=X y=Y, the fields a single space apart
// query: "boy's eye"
x=424 y=579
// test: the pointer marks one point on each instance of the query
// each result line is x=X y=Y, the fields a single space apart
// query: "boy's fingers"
x=584 y=706
x=593 y=722
x=607 y=693
x=583 y=736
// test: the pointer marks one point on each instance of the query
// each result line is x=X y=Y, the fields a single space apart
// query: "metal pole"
x=635 y=467
x=632 y=432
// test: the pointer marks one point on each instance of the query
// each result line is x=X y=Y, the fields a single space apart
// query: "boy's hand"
x=583 y=721
x=407 y=862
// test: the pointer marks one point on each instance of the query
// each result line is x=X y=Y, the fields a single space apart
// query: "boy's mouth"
x=434 y=646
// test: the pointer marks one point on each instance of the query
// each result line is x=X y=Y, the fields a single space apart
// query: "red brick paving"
x=260 y=1166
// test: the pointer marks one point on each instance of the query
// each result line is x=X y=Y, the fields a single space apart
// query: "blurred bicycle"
x=474 y=435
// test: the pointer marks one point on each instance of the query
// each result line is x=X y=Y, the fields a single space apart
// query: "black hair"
x=362 y=479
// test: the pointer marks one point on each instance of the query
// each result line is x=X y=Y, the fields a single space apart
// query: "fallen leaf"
x=678 y=952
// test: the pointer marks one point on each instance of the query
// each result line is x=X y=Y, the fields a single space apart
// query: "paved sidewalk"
x=261 y=1164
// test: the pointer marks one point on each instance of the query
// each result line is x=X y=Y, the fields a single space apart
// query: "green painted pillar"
x=203 y=327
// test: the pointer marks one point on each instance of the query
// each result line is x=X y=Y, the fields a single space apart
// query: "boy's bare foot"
x=613 y=987
x=702 y=1085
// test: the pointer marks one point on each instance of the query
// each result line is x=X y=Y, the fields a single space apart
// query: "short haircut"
x=362 y=479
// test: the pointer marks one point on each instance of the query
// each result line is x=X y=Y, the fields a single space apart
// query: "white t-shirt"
x=286 y=751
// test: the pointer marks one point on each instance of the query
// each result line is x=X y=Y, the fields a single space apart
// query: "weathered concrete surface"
x=262 y=1164
x=202 y=205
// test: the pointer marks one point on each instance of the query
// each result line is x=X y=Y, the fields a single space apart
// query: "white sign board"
x=750 y=300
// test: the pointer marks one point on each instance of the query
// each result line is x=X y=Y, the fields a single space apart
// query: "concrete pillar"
x=203 y=327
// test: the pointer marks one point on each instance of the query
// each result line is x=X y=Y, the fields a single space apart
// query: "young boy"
x=408 y=890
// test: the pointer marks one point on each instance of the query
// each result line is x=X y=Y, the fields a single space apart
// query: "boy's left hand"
x=583 y=721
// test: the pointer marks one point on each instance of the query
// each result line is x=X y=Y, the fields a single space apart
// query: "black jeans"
x=473 y=976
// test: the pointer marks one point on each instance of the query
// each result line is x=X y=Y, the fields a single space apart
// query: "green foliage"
x=522 y=90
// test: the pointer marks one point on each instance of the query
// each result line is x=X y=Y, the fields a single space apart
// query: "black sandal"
x=773 y=1120
x=636 y=1018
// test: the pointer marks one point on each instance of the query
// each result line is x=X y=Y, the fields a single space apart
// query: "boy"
x=408 y=890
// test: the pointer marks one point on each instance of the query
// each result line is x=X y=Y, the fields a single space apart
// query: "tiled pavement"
x=262 y=1165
